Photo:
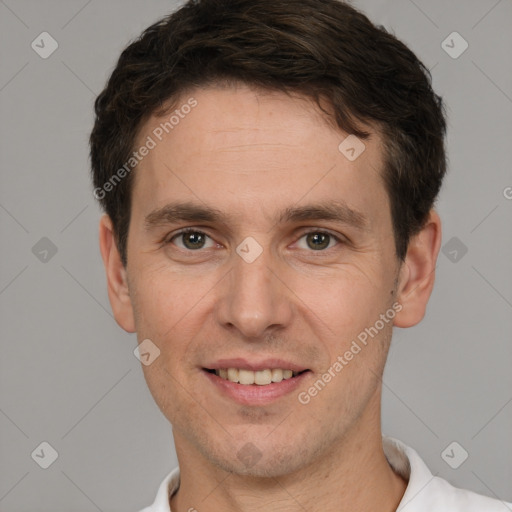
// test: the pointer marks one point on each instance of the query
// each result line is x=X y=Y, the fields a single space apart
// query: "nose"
x=255 y=298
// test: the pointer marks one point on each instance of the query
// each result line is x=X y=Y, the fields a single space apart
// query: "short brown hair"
x=322 y=49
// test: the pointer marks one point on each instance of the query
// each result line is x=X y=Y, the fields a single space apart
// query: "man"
x=268 y=172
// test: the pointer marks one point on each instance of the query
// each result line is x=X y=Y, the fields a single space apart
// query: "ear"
x=417 y=273
x=117 y=283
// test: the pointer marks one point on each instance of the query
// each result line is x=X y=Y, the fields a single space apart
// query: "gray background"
x=68 y=373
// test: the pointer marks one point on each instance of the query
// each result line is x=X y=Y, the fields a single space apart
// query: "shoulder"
x=426 y=492
x=167 y=488
x=445 y=497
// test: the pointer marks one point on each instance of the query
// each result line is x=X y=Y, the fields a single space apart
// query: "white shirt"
x=424 y=493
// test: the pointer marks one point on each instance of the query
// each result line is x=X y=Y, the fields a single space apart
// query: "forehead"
x=257 y=149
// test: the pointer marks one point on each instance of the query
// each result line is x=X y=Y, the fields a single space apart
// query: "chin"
x=263 y=469
x=271 y=461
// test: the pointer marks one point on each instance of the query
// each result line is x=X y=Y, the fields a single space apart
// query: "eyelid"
x=323 y=231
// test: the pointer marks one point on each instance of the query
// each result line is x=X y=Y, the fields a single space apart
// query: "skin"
x=252 y=154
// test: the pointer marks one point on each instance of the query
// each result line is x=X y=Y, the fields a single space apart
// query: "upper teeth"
x=261 y=377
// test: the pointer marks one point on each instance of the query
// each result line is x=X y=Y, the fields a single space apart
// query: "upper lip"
x=243 y=364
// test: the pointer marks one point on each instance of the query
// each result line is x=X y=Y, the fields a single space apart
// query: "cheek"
x=171 y=310
x=162 y=382
x=162 y=298
x=345 y=301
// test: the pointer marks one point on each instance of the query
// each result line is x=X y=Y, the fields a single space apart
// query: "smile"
x=259 y=378
x=255 y=387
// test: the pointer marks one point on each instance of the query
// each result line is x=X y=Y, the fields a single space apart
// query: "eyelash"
x=183 y=231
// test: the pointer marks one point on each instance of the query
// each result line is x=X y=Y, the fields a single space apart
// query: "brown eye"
x=191 y=240
x=318 y=241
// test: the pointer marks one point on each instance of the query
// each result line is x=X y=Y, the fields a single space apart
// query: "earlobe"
x=117 y=283
x=417 y=274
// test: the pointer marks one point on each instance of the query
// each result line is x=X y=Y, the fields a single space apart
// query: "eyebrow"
x=337 y=211
x=189 y=212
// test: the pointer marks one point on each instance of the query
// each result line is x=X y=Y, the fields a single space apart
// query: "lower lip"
x=254 y=394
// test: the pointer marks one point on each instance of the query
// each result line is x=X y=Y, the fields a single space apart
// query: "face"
x=288 y=259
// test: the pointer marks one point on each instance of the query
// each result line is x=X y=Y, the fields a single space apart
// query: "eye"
x=191 y=239
x=318 y=240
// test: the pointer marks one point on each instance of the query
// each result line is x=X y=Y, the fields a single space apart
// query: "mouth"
x=255 y=387
x=255 y=381
x=254 y=378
